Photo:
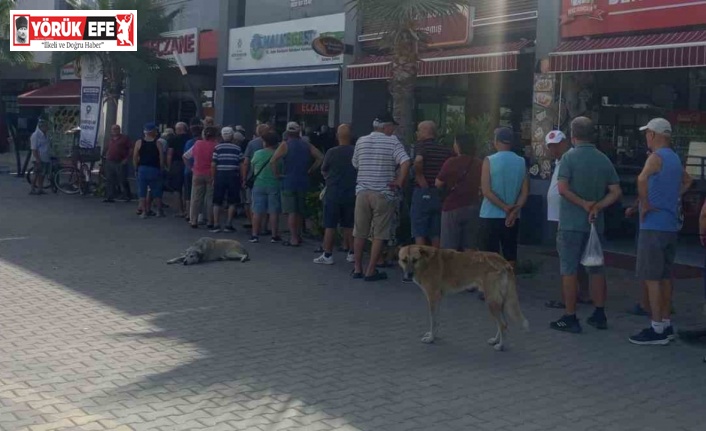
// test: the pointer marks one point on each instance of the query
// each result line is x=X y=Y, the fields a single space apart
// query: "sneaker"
x=144 y=216
x=669 y=332
x=350 y=258
x=323 y=260
x=215 y=229
x=229 y=229
x=254 y=239
x=567 y=324
x=151 y=213
x=598 y=322
x=276 y=239
x=649 y=337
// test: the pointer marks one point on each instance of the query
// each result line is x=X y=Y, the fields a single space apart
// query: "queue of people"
x=459 y=201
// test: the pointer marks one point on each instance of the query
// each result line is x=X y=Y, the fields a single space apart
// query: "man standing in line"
x=40 y=146
x=245 y=171
x=429 y=157
x=117 y=156
x=558 y=145
x=584 y=176
x=377 y=158
x=301 y=159
x=339 y=198
x=196 y=130
x=505 y=188
x=175 y=163
x=225 y=171
x=659 y=187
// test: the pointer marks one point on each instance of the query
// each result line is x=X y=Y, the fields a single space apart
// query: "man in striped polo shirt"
x=429 y=157
x=225 y=171
x=377 y=158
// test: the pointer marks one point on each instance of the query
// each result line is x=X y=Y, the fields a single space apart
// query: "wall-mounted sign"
x=68 y=72
x=284 y=44
x=311 y=108
x=599 y=17
x=328 y=46
x=447 y=31
x=299 y=3
x=184 y=42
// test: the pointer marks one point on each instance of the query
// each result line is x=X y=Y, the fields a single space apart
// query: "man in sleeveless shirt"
x=659 y=187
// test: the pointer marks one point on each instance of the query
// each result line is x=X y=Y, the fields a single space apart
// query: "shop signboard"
x=600 y=17
x=68 y=72
x=544 y=118
x=311 y=108
x=91 y=99
x=442 y=32
x=184 y=42
x=284 y=44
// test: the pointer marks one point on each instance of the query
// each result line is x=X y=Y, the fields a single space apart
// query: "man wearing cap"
x=301 y=159
x=505 y=188
x=584 y=176
x=377 y=158
x=40 y=146
x=558 y=145
x=225 y=171
x=659 y=186
x=117 y=154
x=21 y=27
x=245 y=172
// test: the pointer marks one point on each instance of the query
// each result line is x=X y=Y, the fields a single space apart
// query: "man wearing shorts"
x=429 y=157
x=39 y=143
x=339 y=197
x=246 y=172
x=584 y=176
x=377 y=157
x=225 y=171
x=659 y=187
x=301 y=159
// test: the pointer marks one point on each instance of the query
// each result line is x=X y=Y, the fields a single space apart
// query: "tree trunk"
x=402 y=85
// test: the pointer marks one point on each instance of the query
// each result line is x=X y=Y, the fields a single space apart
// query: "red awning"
x=647 y=51
x=461 y=61
x=63 y=93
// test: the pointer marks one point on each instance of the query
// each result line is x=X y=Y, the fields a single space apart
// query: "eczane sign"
x=184 y=42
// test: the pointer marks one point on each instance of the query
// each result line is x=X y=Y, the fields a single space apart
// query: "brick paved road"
x=96 y=332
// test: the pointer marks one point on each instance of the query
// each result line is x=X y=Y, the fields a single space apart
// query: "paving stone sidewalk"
x=98 y=333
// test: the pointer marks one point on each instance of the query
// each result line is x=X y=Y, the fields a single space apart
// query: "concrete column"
x=548 y=28
x=233 y=105
x=348 y=87
x=139 y=103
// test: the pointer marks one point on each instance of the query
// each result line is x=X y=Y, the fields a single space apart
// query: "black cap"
x=21 y=22
x=386 y=118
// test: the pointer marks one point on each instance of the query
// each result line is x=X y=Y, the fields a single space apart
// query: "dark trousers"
x=496 y=237
x=116 y=176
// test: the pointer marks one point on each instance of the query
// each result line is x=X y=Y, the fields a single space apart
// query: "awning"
x=283 y=77
x=62 y=93
x=648 y=51
x=461 y=61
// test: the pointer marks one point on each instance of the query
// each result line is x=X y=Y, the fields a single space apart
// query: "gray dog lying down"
x=210 y=250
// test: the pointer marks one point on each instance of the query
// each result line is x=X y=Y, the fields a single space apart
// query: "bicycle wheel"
x=68 y=180
x=29 y=176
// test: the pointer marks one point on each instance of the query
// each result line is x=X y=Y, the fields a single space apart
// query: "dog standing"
x=439 y=272
x=210 y=250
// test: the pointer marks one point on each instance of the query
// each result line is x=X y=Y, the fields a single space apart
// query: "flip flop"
x=289 y=244
x=377 y=276
x=356 y=275
x=555 y=304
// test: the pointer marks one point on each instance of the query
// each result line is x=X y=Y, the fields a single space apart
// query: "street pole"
x=189 y=84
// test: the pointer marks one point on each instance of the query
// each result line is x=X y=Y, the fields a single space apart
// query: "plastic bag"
x=593 y=254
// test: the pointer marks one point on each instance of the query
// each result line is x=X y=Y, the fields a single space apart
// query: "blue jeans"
x=426 y=213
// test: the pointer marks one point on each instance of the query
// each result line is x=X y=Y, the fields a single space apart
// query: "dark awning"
x=62 y=93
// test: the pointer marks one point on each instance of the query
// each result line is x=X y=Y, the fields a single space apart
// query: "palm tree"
x=8 y=58
x=405 y=39
x=152 y=21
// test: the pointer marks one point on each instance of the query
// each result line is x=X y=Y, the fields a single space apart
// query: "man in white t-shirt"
x=558 y=145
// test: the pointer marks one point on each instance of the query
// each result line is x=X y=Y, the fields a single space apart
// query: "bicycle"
x=78 y=177
x=49 y=180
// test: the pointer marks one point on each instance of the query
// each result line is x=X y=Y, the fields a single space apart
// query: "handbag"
x=250 y=182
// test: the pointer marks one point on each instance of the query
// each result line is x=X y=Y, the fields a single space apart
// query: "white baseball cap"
x=658 y=125
x=554 y=137
x=293 y=127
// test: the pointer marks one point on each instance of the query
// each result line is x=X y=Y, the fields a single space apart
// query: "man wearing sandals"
x=376 y=157
x=40 y=145
x=584 y=176
x=558 y=145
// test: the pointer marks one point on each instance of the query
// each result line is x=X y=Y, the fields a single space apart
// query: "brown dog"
x=439 y=272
